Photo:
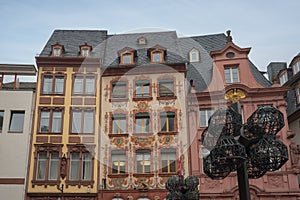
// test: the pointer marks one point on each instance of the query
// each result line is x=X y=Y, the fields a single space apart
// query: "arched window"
x=194 y=55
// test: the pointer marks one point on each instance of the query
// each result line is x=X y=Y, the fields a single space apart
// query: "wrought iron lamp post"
x=251 y=149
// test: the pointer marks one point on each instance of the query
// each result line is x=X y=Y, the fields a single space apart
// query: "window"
x=16 y=121
x=45 y=159
x=142 y=40
x=119 y=90
x=142 y=89
x=157 y=56
x=85 y=52
x=167 y=121
x=194 y=55
x=47 y=162
x=1 y=119
x=84 y=85
x=166 y=87
x=57 y=51
x=298 y=95
x=283 y=78
x=143 y=161
x=296 y=67
x=80 y=166
x=53 y=84
x=118 y=123
x=168 y=160
x=127 y=58
x=118 y=161
x=50 y=121
x=232 y=75
x=204 y=117
x=142 y=121
x=82 y=121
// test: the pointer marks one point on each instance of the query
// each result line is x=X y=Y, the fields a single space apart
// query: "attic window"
x=194 y=55
x=57 y=49
x=296 y=67
x=142 y=40
x=157 y=54
x=283 y=78
x=230 y=55
x=126 y=56
x=85 y=50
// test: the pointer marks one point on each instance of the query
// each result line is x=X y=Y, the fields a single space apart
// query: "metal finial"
x=228 y=37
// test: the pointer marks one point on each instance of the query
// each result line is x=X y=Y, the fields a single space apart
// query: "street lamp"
x=251 y=149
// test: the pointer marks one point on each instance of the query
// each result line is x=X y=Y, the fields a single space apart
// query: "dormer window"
x=85 y=50
x=283 y=78
x=126 y=56
x=57 y=51
x=142 y=40
x=296 y=67
x=157 y=57
x=157 y=54
x=194 y=55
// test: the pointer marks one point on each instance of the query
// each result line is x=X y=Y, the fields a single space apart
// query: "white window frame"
x=207 y=114
x=194 y=55
x=231 y=71
x=283 y=78
x=296 y=67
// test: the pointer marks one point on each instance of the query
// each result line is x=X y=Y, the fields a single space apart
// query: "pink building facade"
x=232 y=69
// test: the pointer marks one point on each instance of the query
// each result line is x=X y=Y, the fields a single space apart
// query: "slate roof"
x=201 y=72
x=177 y=50
x=72 y=39
x=259 y=77
x=167 y=39
x=274 y=68
x=211 y=42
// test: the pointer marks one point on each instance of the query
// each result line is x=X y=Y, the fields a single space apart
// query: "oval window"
x=230 y=55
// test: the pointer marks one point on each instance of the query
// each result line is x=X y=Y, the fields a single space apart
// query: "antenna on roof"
x=228 y=37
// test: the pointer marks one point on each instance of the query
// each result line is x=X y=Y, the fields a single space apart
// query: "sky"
x=270 y=27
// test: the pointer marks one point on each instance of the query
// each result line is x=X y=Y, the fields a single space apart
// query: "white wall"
x=14 y=147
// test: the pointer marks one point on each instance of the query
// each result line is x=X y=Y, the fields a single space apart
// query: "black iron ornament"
x=256 y=143
x=183 y=189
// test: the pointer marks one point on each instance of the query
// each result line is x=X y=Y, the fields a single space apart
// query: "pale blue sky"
x=270 y=27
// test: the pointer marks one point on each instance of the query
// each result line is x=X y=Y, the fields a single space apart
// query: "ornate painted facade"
x=117 y=115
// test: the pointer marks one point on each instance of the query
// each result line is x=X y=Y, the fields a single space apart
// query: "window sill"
x=17 y=132
x=119 y=100
x=80 y=183
x=142 y=98
x=167 y=133
x=118 y=175
x=166 y=97
x=80 y=134
x=53 y=94
x=118 y=135
x=143 y=134
x=167 y=174
x=49 y=133
x=143 y=174
x=45 y=182
x=83 y=95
